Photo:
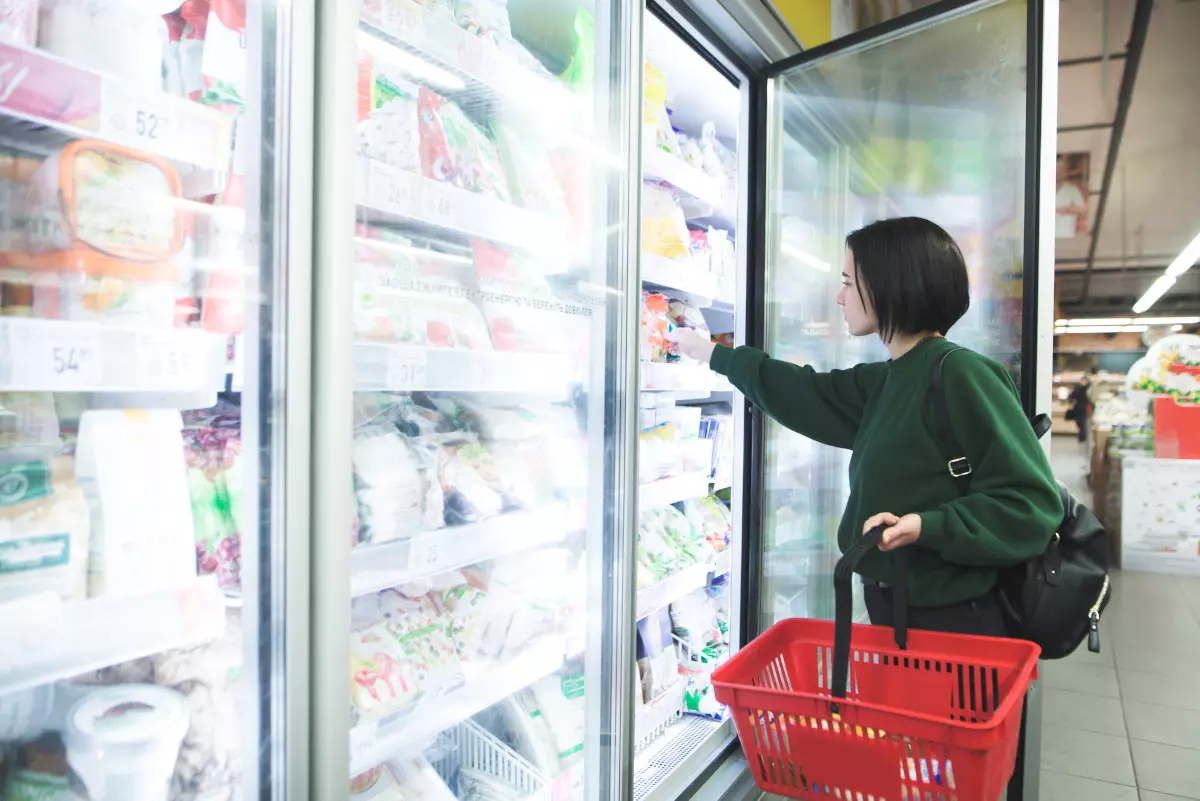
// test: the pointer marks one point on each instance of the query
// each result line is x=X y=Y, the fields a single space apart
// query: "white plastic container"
x=122 y=741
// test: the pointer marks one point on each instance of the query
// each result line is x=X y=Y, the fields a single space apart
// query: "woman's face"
x=860 y=317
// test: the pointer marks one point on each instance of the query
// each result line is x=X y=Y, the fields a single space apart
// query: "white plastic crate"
x=476 y=749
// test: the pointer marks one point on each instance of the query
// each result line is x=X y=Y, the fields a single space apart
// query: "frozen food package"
x=454 y=150
x=396 y=485
x=403 y=658
x=376 y=784
x=656 y=658
x=689 y=541
x=131 y=467
x=694 y=621
x=418 y=781
x=391 y=133
x=37 y=771
x=710 y=517
x=212 y=450
x=698 y=697
x=530 y=173
x=468 y=613
x=655 y=326
x=658 y=453
x=656 y=122
x=664 y=227
x=560 y=696
x=524 y=611
x=656 y=554
x=471 y=482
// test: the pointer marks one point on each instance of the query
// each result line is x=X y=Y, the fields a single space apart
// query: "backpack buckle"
x=959 y=468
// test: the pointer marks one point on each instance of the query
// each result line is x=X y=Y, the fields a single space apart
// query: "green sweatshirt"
x=884 y=413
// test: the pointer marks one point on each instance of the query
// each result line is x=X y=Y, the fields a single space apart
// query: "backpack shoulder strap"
x=958 y=465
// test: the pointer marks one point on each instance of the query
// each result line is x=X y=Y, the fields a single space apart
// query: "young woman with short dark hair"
x=905 y=281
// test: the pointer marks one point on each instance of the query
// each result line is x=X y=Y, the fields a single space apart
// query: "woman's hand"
x=901 y=531
x=692 y=344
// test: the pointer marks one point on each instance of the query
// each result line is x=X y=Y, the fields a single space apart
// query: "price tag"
x=156 y=125
x=391 y=189
x=55 y=357
x=406 y=369
x=426 y=554
x=168 y=362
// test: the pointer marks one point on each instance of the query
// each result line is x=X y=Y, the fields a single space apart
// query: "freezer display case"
x=689 y=470
x=135 y=617
x=486 y=353
x=925 y=121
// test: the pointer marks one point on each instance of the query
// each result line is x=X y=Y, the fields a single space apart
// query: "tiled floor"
x=1124 y=725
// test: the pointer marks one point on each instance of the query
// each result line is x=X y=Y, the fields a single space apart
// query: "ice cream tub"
x=122 y=741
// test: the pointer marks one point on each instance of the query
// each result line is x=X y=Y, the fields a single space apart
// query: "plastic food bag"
x=402 y=658
x=656 y=324
x=656 y=655
x=694 y=621
x=455 y=151
x=664 y=227
x=656 y=122
x=518 y=721
x=561 y=700
x=470 y=482
x=656 y=554
x=687 y=539
x=396 y=485
x=658 y=453
x=711 y=518
x=530 y=173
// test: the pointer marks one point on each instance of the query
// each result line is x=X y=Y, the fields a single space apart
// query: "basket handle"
x=843 y=574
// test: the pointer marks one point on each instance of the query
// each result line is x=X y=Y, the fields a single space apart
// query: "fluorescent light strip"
x=1103 y=329
x=1156 y=291
x=1095 y=321
x=1184 y=261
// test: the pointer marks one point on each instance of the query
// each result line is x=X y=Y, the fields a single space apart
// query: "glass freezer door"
x=141 y=402
x=928 y=120
x=478 y=379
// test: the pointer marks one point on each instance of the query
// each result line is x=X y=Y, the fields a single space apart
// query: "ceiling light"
x=1168 y=320
x=805 y=258
x=1184 y=261
x=414 y=65
x=1103 y=329
x=1156 y=291
x=1095 y=321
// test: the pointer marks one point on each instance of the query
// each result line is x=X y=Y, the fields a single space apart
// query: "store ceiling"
x=1153 y=210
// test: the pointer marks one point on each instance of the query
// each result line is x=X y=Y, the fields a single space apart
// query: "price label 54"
x=66 y=358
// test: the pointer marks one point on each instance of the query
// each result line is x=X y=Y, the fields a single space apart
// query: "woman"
x=905 y=281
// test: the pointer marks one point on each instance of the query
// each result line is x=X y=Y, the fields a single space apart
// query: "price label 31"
x=406 y=370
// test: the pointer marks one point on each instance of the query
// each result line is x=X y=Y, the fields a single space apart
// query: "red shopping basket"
x=936 y=718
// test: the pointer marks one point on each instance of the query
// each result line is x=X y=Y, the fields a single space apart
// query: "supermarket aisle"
x=1124 y=725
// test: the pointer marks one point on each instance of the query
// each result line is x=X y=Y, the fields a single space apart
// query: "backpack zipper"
x=1094 y=612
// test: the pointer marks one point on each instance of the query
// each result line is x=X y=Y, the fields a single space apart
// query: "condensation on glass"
x=926 y=122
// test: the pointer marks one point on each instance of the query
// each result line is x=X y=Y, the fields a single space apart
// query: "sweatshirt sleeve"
x=1013 y=507
x=826 y=407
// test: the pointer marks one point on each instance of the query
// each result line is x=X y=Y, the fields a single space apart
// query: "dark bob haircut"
x=913 y=273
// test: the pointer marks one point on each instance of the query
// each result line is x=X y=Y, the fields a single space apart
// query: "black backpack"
x=1055 y=599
